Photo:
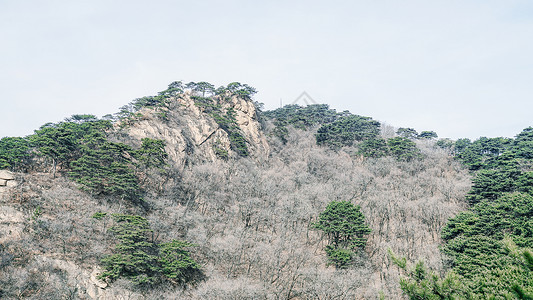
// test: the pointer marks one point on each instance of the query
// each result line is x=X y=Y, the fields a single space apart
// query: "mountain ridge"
x=240 y=186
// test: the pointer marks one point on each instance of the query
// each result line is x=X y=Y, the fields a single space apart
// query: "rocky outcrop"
x=191 y=132
x=7 y=179
x=248 y=122
x=86 y=283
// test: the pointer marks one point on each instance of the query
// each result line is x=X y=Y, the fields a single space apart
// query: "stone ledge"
x=6 y=175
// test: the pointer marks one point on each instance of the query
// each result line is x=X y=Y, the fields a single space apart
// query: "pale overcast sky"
x=461 y=68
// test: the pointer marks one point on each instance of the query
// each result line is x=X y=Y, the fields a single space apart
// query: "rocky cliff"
x=191 y=131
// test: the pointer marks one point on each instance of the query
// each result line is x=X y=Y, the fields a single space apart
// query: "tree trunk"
x=54 y=163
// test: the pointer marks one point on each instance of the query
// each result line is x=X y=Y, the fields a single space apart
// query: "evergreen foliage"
x=14 y=153
x=461 y=144
x=152 y=153
x=228 y=123
x=241 y=90
x=502 y=165
x=346 y=130
x=408 y=133
x=176 y=263
x=523 y=144
x=421 y=283
x=490 y=244
x=476 y=154
x=492 y=183
x=144 y=261
x=376 y=147
x=63 y=142
x=281 y=130
x=220 y=152
x=428 y=135
x=481 y=243
x=135 y=258
x=344 y=225
x=508 y=277
x=224 y=118
x=105 y=169
x=209 y=99
x=511 y=214
x=80 y=147
x=303 y=117
x=202 y=87
x=341 y=258
x=403 y=149
x=445 y=143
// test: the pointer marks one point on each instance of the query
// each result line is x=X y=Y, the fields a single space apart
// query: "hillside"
x=222 y=201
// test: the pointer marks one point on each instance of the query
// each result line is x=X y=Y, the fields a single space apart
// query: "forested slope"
x=489 y=245
x=197 y=193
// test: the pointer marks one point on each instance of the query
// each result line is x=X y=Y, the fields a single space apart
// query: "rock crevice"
x=189 y=129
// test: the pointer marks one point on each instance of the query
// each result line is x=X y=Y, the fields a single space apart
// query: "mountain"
x=198 y=194
x=193 y=130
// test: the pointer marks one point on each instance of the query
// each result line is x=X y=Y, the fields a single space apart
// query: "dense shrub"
x=144 y=261
x=346 y=130
x=403 y=149
x=376 y=147
x=14 y=153
x=303 y=117
x=344 y=225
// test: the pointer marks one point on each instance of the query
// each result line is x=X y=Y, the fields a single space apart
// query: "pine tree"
x=344 y=225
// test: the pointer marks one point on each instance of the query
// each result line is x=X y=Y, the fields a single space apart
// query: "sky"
x=461 y=68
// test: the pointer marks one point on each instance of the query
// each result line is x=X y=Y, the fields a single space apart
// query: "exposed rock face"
x=6 y=175
x=190 y=130
x=88 y=286
x=7 y=180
